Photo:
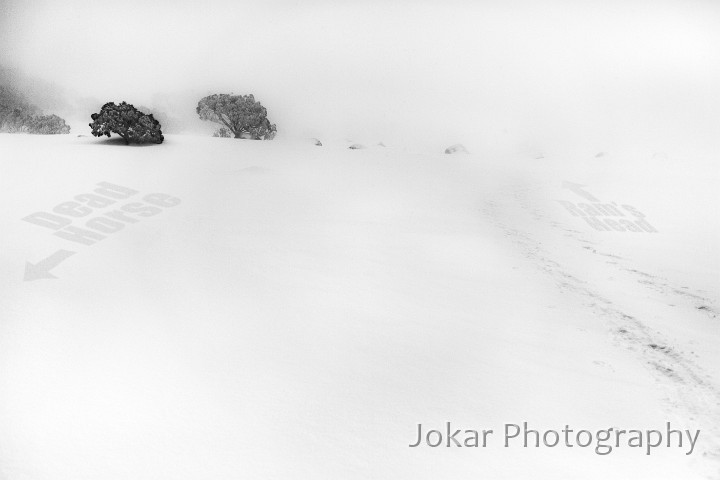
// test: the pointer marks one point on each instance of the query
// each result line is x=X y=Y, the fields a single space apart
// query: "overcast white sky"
x=452 y=70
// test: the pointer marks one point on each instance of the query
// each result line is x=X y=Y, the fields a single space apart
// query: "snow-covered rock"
x=457 y=148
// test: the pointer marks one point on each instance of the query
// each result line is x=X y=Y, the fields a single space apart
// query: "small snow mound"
x=356 y=146
x=457 y=148
x=600 y=154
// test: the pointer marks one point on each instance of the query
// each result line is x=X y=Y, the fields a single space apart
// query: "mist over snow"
x=215 y=308
x=505 y=75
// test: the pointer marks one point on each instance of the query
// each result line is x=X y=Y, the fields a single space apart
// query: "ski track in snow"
x=690 y=392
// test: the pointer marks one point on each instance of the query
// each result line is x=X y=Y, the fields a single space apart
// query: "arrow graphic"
x=576 y=188
x=42 y=268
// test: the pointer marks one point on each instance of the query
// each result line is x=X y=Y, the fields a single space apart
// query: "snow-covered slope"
x=290 y=311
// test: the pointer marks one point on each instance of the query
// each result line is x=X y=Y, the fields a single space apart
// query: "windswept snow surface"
x=302 y=309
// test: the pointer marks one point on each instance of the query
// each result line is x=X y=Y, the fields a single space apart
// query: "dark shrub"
x=128 y=122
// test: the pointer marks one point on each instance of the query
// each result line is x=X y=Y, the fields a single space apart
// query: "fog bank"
x=512 y=74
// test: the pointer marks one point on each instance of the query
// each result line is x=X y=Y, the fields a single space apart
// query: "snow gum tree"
x=128 y=122
x=18 y=115
x=240 y=114
x=15 y=110
x=47 y=125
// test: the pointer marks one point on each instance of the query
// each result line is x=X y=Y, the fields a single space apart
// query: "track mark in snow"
x=690 y=390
